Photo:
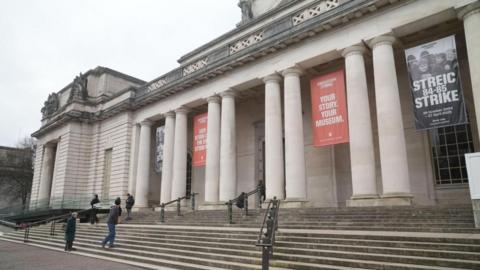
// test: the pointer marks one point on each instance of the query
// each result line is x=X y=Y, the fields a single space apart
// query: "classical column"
x=471 y=22
x=143 y=167
x=180 y=154
x=228 y=148
x=295 y=181
x=393 y=152
x=46 y=175
x=212 y=168
x=359 y=123
x=167 y=169
x=274 y=174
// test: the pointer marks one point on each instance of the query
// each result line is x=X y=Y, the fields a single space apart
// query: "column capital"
x=353 y=50
x=468 y=10
x=382 y=40
x=169 y=114
x=146 y=123
x=292 y=71
x=228 y=94
x=182 y=110
x=213 y=99
x=272 y=78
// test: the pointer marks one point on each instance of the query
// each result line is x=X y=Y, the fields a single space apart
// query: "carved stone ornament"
x=79 y=89
x=246 y=7
x=50 y=106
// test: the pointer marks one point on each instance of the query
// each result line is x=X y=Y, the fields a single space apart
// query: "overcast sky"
x=44 y=44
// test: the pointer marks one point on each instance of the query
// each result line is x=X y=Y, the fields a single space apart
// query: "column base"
x=476 y=212
x=213 y=206
x=383 y=200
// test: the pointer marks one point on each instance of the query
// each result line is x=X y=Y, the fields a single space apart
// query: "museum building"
x=326 y=102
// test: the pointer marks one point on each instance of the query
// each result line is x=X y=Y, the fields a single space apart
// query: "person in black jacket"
x=93 y=212
x=70 y=231
x=241 y=200
x=128 y=205
x=112 y=221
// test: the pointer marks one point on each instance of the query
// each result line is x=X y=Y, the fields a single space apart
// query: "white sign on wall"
x=473 y=168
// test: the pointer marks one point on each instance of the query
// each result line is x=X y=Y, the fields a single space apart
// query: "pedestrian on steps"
x=241 y=200
x=93 y=212
x=70 y=231
x=112 y=221
x=128 y=205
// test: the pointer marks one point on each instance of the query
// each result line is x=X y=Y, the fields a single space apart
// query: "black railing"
x=266 y=238
x=244 y=196
x=162 y=206
x=52 y=220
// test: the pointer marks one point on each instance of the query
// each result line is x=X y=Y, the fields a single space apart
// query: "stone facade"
x=254 y=83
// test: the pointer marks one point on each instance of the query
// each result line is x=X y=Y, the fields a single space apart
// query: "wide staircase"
x=307 y=238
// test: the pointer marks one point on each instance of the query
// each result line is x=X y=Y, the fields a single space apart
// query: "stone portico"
x=254 y=83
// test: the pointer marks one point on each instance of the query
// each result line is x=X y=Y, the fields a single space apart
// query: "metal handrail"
x=53 y=220
x=266 y=237
x=245 y=203
x=162 y=206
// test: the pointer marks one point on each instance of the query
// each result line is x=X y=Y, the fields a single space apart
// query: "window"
x=107 y=171
x=449 y=146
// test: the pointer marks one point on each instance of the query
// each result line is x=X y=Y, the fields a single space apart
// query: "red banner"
x=329 y=110
x=199 y=139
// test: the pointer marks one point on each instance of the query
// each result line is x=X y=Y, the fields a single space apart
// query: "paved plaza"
x=15 y=256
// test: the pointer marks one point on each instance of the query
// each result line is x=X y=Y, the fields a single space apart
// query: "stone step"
x=307 y=250
x=285 y=247
x=232 y=262
x=307 y=262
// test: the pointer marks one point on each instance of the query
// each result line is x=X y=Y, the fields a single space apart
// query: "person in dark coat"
x=93 y=212
x=241 y=200
x=128 y=205
x=261 y=191
x=112 y=221
x=70 y=231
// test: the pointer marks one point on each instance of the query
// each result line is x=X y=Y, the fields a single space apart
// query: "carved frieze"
x=157 y=84
x=195 y=66
x=246 y=42
x=312 y=12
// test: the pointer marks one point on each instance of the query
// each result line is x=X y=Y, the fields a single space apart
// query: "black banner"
x=435 y=84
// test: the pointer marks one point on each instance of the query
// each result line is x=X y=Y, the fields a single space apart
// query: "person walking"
x=70 y=231
x=112 y=221
x=128 y=205
x=93 y=212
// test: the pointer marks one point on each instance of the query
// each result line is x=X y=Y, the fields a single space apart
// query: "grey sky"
x=44 y=44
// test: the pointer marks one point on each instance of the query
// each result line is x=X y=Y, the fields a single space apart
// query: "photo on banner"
x=329 y=110
x=435 y=84
x=199 y=139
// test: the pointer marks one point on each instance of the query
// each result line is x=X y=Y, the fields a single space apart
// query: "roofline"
x=239 y=28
